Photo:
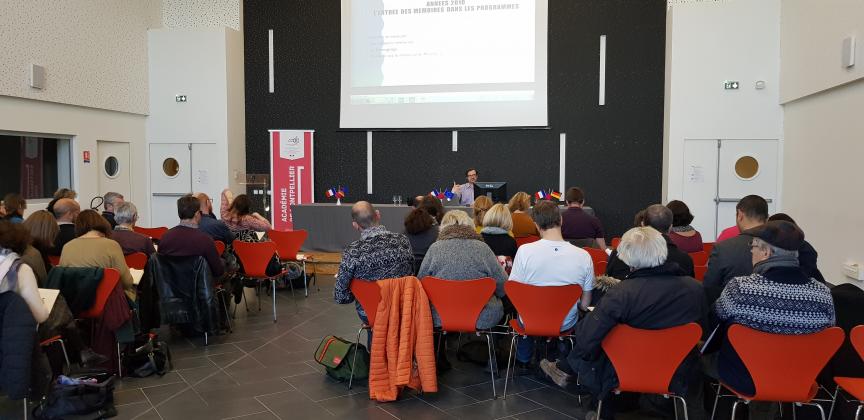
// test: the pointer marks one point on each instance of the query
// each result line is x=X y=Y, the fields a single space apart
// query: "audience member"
x=66 y=210
x=422 y=231
x=111 y=201
x=465 y=193
x=209 y=224
x=126 y=214
x=552 y=261
x=807 y=255
x=496 y=231
x=776 y=298
x=519 y=205
x=731 y=258
x=728 y=233
x=237 y=214
x=460 y=254
x=15 y=205
x=378 y=254
x=94 y=248
x=580 y=225
x=60 y=194
x=658 y=217
x=481 y=205
x=416 y=201
x=186 y=240
x=43 y=231
x=683 y=235
x=655 y=296
x=433 y=206
x=14 y=241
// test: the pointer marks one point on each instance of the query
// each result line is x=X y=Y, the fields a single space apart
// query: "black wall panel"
x=614 y=152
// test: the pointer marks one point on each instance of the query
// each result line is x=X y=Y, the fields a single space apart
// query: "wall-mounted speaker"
x=848 y=52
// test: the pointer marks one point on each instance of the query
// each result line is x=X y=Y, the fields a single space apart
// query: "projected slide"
x=443 y=63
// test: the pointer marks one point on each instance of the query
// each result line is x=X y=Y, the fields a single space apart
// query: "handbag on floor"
x=337 y=354
x=149 y=356
x=80 y=401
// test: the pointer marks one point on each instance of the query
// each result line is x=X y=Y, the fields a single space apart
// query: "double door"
x=178 y=169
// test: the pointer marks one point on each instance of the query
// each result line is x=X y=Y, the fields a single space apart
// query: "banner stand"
x=292 y=174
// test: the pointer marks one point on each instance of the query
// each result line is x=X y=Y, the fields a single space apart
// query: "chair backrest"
x=136 y=260
x=857 y=338
x=152 y=233
x=110 y=279
x=650 y=368
x=699 y=258
x=542 y=309
x=254 y=256
x=526 y=240
x=54 y=260
x=368 y=293
x=583 y=242
x=707 y=247
x=220 y=247
x=784 y=367
x=600 y=268
x=288 y=243
x=458 y=302
x=615 y=241
x=597 y=255
x=700 y=271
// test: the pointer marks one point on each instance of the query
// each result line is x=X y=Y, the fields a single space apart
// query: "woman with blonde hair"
x=496 y=231
x=481 y=205
x=523 y=226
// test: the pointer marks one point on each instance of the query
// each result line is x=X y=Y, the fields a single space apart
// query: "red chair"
x=600 y=268
x=708 y=247
x=220 y=247
x=526 y=240
x=459 y=303
x=597 y=255
x=54 y=260
x=110 y=280
x=255 y=256
x=783 y=367
x=137 y=260
x=542 y=310
x=700 y=271
x=287 y=245
x=650 y=369
x=152 y=233
x=615 y=241
x=699 y=258
x=853 y=386
x=369 y=295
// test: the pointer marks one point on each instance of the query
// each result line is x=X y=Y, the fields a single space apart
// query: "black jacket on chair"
x=17 y=338
x=185 y=287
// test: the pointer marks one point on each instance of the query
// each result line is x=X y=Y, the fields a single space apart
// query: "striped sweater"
x=378 y=254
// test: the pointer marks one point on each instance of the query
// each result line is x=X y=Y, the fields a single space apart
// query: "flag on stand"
x=449 y=194
x=330 y=192
x=340 y=192
x=556 y=195
x=434 y=192
x=540 y=194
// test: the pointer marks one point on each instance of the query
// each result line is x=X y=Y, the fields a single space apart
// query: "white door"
x=205 y=173
x=700 y=184
x=114 y=168
x=170 y=179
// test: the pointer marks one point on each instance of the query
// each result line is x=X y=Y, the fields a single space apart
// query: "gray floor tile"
x=235 y=392
x=415 y=409
x=248 y=376
x=293 y=405
x=318 y=387
x=129 y=396
x=556 y=400
x=543 y=414
x=131 y=411
x=494 y=409
x=447 y=398
x=484 y=391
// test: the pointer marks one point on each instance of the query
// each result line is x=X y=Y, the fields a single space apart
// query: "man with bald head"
x=378 y=254
x=209 y=224
x=65 y=211
x=658 y=217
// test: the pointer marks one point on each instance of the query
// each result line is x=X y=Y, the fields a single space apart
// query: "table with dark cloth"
x=329 y=225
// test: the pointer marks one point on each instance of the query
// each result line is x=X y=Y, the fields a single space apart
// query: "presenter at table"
x=465 y=192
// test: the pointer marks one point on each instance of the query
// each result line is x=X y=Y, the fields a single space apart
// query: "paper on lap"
x=49 y=297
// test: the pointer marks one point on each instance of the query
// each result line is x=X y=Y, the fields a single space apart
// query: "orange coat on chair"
x=402 y=334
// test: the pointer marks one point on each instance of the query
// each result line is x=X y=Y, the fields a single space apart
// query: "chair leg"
x=833 y=401
x=599 y=408
x=492 y=365
x=273 y=282
x=683 y=404
x=245 y=301
x=858 y=411
x=735 y=408
x=259 y=295
x=716 y=399
x=305 y=280
x=354 y=361
x=509 y=363
x=794 y=415
x=25 y=408
x=206 y=343
x=119 y=362
x=225 y=306
x=65 y=354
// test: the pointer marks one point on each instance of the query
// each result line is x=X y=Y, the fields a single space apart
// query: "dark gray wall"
x=614 y=152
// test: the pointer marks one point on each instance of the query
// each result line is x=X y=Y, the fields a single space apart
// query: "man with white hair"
x=111 y=200
x=126 y=214
x=656 y=295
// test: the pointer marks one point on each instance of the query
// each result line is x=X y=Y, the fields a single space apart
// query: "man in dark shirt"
x=209 y=224
x=185 y=240
x=111 y=201
x=658 y=217
x=65 y=211
x=580 y=225
x=124 y=233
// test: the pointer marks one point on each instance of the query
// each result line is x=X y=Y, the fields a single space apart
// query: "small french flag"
x=540 y=194
x=329 y=193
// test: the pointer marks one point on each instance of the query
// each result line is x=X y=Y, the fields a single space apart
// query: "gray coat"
x=460 y=254
x=730 y=258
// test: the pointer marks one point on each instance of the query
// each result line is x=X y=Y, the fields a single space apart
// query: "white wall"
x=823 y=131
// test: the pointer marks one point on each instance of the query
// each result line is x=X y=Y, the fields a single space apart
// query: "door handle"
x=735 y=200
x=169 y=194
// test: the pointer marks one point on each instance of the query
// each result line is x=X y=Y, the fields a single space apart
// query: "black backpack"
x=148 y=357
x=83 y=401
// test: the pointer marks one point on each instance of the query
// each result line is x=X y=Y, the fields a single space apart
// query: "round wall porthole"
x=170 y=167
x=746 y=167
x=112 y=167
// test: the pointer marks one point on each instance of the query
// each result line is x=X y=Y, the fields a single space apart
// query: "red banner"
x=292 y=175
x=31 y=168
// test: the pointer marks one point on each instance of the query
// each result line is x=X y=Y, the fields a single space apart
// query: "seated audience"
x=807 y=255
x=683 y=235
x=66 y=210
x=126 y=214
x=111 y=201
x=15 y=205
x=185 y=240
x=481 y=205
x=519 y=205
x=496 y=231
x=422 y=231
x=209 y=224
x=776 y=298
x=731 y=258
x=728 y=233
x=433 y=206
x=378 y=254
x=14 y=241
x=552 y=261
x=460 y=254
x=43 y=231
x=60 y=194
x=237 y=214
x=658 y=217
x=94 y=248
x=580 y=225
x=655 y=296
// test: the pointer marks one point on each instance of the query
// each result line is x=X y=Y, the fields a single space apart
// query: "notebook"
x=49 y=297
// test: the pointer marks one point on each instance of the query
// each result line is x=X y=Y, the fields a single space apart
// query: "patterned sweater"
x=378 y=254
